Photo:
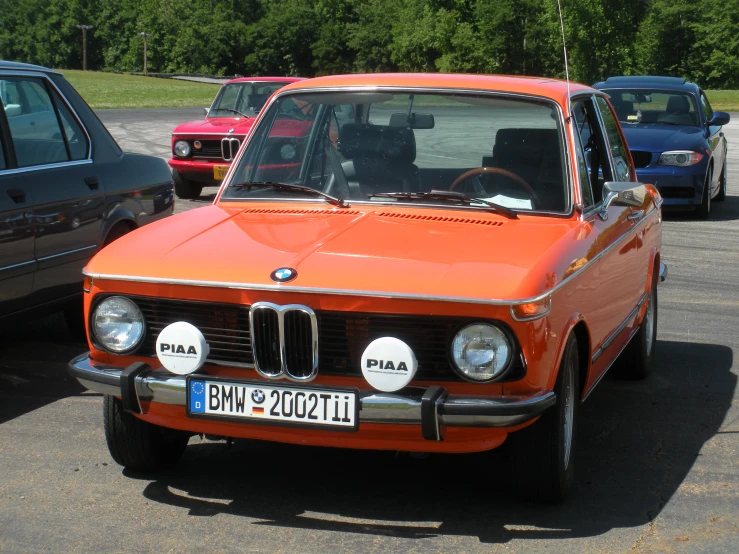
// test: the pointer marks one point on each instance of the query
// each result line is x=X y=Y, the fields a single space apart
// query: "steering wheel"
x=480 y=189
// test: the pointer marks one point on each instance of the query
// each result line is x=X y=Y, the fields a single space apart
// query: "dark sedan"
x=66 y=190
x=675 y=138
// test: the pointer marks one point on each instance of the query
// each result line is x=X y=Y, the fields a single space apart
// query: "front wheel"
x=542 y=455
x=704 y=210
x=136 y=444
x=721 y=196
x=185 y=188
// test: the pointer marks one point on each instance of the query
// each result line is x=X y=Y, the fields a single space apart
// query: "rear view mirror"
x=622 y=194
x=415 y=121
x=720 y=118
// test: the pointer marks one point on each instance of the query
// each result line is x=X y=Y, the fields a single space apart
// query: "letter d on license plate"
x=261 y=402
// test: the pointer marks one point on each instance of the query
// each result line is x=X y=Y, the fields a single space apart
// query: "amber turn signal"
x=531 y=310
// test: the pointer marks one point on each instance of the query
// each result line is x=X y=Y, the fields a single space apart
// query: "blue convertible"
x=674 y=136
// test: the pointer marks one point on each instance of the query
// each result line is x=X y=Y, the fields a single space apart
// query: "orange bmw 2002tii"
x=451 y=262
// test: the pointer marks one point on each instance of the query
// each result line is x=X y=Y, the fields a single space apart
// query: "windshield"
x=667 y=107
x=391 y=147
x=244 y=98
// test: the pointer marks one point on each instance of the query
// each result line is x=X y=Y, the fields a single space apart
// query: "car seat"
x=535 y=156
x=380 y=159
x=678 y=111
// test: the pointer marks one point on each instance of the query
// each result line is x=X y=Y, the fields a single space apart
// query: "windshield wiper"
x=448 y=195
x=292 y=188
x=230 y=110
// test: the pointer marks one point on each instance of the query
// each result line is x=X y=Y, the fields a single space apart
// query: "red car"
x=202 y=150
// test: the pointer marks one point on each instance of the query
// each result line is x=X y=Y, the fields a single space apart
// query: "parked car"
x=202 y=150
x=66 y=190
x=675 y=137
x=436 y=271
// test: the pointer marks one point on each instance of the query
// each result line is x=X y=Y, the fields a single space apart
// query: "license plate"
x=265 y=403
x=219 y=172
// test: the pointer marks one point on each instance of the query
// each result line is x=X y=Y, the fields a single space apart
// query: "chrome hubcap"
x=649 y=322
x=569 y=400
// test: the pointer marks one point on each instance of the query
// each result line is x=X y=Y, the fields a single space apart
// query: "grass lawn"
x=110 y=90
x=724 y=100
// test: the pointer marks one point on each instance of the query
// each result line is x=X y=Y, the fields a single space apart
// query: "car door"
x=55 y=160
x=17 y=262
x=716 y=142
x=618 y=279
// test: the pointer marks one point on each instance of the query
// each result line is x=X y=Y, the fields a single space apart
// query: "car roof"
x=25 y=67
x=261 y=79
x=647 y=81
x=555 y=89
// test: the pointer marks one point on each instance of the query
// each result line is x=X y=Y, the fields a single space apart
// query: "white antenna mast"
x=564 y=47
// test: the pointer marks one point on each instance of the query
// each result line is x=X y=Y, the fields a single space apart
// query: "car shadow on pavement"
x=728 y=210
x=33 y=365
x=638 y=441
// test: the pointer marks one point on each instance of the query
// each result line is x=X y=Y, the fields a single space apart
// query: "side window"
x=706 y=107
x=42 y=127
x=593 y=146
x=76 y=138
x=580 y=120
x=3 y=164
x=618 y=147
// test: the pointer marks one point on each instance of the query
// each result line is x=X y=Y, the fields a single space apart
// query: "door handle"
x=635 y=216
x=92 y=182
x=18 y=195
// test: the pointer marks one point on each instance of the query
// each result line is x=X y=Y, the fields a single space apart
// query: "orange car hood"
x=394 y=250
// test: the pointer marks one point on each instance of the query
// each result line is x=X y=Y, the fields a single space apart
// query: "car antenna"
x=567 y=69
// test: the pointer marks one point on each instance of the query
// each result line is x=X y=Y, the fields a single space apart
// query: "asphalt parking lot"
x=658 y=460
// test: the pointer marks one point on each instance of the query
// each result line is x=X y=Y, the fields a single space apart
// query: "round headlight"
x=118 y=324
x=481 y=352
x=288 y=152
x=182 y=148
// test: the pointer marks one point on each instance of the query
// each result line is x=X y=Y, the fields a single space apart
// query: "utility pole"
x=145 y=35
x=84 y=28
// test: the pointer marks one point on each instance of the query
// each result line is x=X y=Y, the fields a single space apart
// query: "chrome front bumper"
x=429 y=407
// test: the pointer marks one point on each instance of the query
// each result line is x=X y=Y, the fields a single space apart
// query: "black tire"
x=704 y=210
x=542 y=465
x=184 y=188
x=117 y=232
x=636 y=360
x=721 y=196
x=74 y=316
x=138 y=445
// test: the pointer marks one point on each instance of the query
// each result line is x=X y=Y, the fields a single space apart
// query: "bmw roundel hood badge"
x=284 y=274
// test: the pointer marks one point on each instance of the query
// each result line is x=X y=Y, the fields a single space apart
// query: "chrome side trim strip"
x=52 y=256
x=17 y=265
x=366 y=293
x=598 y=380
x=612 y=337
x=43 y=167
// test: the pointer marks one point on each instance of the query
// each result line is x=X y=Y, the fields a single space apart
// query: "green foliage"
x=696 y=39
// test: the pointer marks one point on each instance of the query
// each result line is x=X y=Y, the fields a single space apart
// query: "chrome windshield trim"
x=563 y=126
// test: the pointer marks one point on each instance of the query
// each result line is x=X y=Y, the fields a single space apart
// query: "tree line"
x=696 y=39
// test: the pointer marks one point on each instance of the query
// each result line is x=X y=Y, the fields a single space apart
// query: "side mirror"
x=207 y=111
x=622 y=194
x=719 y=119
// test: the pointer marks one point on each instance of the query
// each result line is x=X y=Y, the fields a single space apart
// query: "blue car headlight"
x=680 y=158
